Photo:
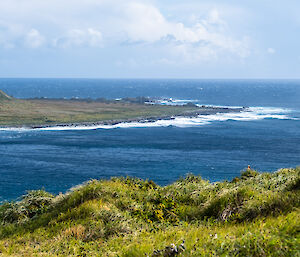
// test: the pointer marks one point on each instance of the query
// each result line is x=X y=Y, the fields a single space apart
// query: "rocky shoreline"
x=201 y=111
x=44 y=113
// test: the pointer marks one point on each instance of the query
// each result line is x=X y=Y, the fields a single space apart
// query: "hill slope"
x=4 y=96
x=256 y=214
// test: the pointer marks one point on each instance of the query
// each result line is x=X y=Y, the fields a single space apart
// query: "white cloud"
x=144 y=22
x=95 y=37
x=133 y=21
x=271 y=50
x=214 y=17
x=9 y=34
x=80 y=37
x=34 y=39
x=207 y=38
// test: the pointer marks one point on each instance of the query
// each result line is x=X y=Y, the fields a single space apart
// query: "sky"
x=150 y=38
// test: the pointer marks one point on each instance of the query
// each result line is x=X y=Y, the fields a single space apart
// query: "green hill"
x=256 y=214
x=4 y=96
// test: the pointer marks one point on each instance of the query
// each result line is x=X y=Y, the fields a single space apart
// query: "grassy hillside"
x=4 y=96
x=256 y=214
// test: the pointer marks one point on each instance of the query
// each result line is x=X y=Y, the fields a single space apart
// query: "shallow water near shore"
x=217 y=147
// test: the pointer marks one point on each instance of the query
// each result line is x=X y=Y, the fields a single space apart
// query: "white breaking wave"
x=171 y=101
x=252 y=113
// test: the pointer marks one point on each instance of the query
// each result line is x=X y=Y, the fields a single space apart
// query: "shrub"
x=249 y=174
x=225 y=206
x=32 y=204
x=256 y=215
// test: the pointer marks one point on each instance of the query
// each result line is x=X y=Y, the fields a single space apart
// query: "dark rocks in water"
x=137 y=100
x=190 y=104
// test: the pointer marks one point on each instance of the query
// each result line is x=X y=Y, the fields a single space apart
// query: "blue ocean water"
x=217 y=147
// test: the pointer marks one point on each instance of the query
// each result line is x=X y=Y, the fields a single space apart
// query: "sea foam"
x=250 y=114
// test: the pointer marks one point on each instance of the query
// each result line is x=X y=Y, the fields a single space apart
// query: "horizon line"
x=148 y=78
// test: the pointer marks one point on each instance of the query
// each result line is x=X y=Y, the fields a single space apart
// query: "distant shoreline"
x=199 y=112
x=41 y=113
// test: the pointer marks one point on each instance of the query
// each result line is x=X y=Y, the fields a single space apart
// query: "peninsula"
x=44 y=112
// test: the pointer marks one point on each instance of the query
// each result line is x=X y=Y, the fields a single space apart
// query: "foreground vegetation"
x=256 y=214
x=31 y=112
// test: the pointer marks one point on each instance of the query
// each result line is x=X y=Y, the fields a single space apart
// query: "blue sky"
x=150 y=38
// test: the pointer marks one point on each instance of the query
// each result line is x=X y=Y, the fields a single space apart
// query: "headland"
x=45 y=113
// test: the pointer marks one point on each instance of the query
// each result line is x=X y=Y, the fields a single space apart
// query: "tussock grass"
x=4 y=96
x=256 y=214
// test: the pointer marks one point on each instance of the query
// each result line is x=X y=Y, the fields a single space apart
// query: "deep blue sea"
x=217 y=147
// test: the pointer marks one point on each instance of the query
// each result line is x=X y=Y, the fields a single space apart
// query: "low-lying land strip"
x=256 y=214
x=52 y=112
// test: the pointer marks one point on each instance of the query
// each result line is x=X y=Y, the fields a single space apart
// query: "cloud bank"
x=65 y=24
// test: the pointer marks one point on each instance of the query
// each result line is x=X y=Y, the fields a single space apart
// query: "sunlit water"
x=217 y=147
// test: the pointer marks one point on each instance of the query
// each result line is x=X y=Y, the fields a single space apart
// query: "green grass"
x=4 y=96
x=256 y=214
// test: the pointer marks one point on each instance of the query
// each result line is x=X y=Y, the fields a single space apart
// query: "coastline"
x=201 y=111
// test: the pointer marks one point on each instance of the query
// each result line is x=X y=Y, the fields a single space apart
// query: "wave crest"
x=252 y=113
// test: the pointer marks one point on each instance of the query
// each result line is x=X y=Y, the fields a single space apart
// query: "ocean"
x=216 y=147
